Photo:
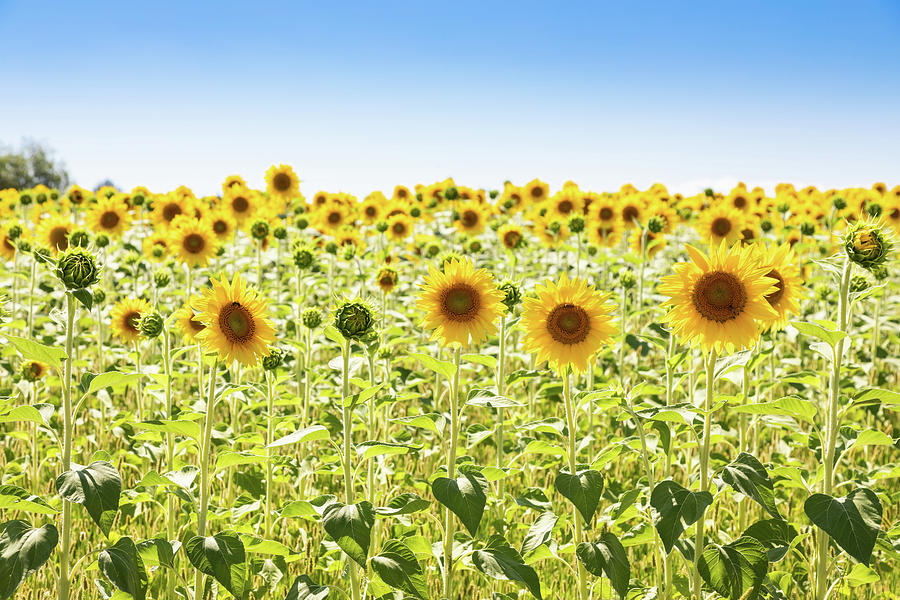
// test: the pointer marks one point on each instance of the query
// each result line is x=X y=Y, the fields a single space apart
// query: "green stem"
x=205 y=449
x=501 y=389
x=63 y=582
x=347 y=458
x=270 y=437
x=573 y=469
x=170 y=458
x=704 y=465
x=451 y=473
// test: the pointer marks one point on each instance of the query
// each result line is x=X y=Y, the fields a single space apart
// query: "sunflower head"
x=867 y=244
x=512 y=296
x=386 y=279
x=282 y=181
x=77 y=268
x=33 y=370
x=126 y=318
x=273 y=359
x=311 y=317
x=151 y=324
x=355 y=319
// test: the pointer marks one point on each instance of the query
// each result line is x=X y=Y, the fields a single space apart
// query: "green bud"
x=280 y=232
x=783 y=207
x=866 y=244
x=627 y=279
x=765 y=225
x=839 y=203
x=101 y=241
x=474 y=246
x=79 y=238
x=151 y=324
x=303 y=256
x=348 y=252
x=655 y=224
x=161 y=278
x=273 y=360
x=331 y=247
x=312 y=318
x=415 y=212
x=576 y=224
x=807 y=228
x=354 y=319
x=874 y=209
x=512 y=296
x=493 y=194
x=858 y=283
x=451 y=193
x=13 y=232
x=259 y=229
x=137 y=200
x=381 y=226
x=99 y=295
x=77 y=268
x=24 y=245
x=301 y=223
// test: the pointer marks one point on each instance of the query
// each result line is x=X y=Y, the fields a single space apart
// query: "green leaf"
x=677 y=508
x=363 y=396
x=307 y=434
x=404 y=504
x=156 y=552
x=23 y=550
x=775 y=534
x=582 y=489
x=31 y=350
x=733 y=569
x=748 y=476
x=500 y=561
x=304 y=589
x=222 y=557
x=829 y=336
x=97 y=487
x=539 y=532
x=492 y=401
x=447 y=369
x=485 y=360
x=112 y=379
x=789 y=406
x=39 y=414
x=121 y=564
x=84 y=297
x=15 y=498
x=852 y=521
x=351 y=527
x=397 y=566
x=872 y=396
x=181 y=427
x=607 y=556
x=465 y=496
x=367 y=450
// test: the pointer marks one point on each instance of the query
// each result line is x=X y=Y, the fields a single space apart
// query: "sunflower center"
x=721 y=226
x=401 y=193
x=719 y=296
x=194 y=243
x=565 y=207
x=568 y=324
x=469 y=218
x=109 y=219
x=196 y=325
x=220 y=227
x=399 y=228
x=59 y=238
x=895 y=213
x=281 y=182
x=386 y=281
x=371 y=211
x=236 y=323
x=537 y=192
x=239 y=204
x=775 y=296
x=170 y=211
x=76 y=197
x=739 y=202
x=511 y=239
x=35 y=370
x=334 y=217
x=131 y=321
x=460 y=302
x=630 y=213
x=606 y=213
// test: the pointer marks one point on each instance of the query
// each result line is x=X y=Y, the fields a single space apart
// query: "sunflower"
x=402 y=194
x=386 y=279
x=471 y=218
x=511 y=200
x=233 y=181
x=125 y=316
x=241 y=202
x=168 y=206
x=536 y=191
x=187 y=322
x=654 y=242
x=740 y=199
x=234 y=316
x=605 y=234
x=511 y=236
x=193 y=242
x=400 y=227
x=222 y=223
x=8 y=247
x=721 y=223
x=54 y=231
x=785 y=299
x=349 y=236
x=372 y=207
x=110 y=216
x=716 y=301
x=566 y=202
x=550 y=232
x=158 y=239
x=567 y=322
x=460 y=303
x=331 y=216
x=34 y=370
x=282 y=182
x=631 y=209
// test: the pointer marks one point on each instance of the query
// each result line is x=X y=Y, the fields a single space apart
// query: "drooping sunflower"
x=126 y=315
x=110 y=216
x=512 y=236
x=386 y=279
x=605 y=234
x=716 y=301
x=193 y=242
x=785 y=298
x=720 y=223
x=282 y=182
x=402 y=194
x=241 y=202
x=471 y=217
x=400 y=227
x=567 y=323
x=461 y=303
x=187 y=321
x=53 y=232
x=236 y=325
x=34 y=370
x=233 y=181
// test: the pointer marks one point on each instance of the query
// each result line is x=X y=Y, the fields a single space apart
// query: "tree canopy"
x=30 y=165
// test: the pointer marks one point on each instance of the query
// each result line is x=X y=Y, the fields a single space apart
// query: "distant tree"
x=31 y=165
x=104 y=183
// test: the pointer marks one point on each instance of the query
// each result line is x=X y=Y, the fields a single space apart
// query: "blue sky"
x=361 y=96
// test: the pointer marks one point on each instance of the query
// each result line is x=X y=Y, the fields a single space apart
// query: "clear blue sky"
x=361 y=96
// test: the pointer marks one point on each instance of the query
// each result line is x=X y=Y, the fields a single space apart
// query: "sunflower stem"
x=573 y=469
x=270 y=437
x=170 y=457
x=65 y=547
x=347 y=462
x=205 y=449
x=501 y=388
x=451 y=472
x=704 y=465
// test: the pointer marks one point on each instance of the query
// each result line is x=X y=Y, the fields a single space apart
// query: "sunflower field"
x=448 y=392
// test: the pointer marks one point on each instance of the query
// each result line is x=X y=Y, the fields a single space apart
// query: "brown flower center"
x=220 y=227
x=606 y=213
x=460 y=302
x=170 y=211
x=511 y=239
x=401 y=193
x=196 y=325
x=109 y=220
x=281 y=182
x=775 y=296
x=59 y=238
x=239 y=204
x=236 y=323
x=194 y=243
x=399 y=228
x=537 y=192
x=565 y=207
x=334 y=217
x=719 y=296
x=739 y=202
x=721 y=226
x=630 y=213
x=371 y=211
x=469 y=218
x=131 y=320
x=568 y=324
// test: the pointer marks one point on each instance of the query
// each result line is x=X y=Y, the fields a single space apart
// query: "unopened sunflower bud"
x=866 y=244
x=132 y=258
x=158 y=251
x=446 y=257
x=783 y=207
x=386 y=279
x=41 y=252
x=415 y=212
x=765 y=225
x=303 y=257
x=839 y=203
x=77 y=268
x=576 y=224
x=311 y=317
x=880 y=272
x=151 y=324
x=432 y=249
x=280 y=232
x=512 y=296
x=451 y=193
x=381 y=226
x=873 y=209
x=493 y=194
x=554 y=227
x=101 y=241
x=79 y=238
x=508 y=204
x=273 y=360
x=24 y=245
x=384 y=353
x=348 y=252
x=354 y=319
x=137 y=200
x=592 y=250
x=301 y=223
x=627 y=279
x=161 y=278
x=474 y=246
x=709 y=193
x=25 y=198
x=419 y=197
x=807 y=228
x=259 y=229
x=99 y=295
x=655 y=224
x=858 y=283
x=13 y=232
x=331 y=247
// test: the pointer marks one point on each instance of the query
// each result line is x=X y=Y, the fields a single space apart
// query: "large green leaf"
x=583 y=489
x=351 y=527
x=735 y=568
x=852 y=522
x=748 y=476
x=677 y=508
x=397 y=566
x=222 y=557
x=31 y=350
x=23 y=550
x=13 y=497
x=447 y=369
x=404 y=504
x=465 y=496
x=97 y=487
x=307 y=434
x=304 y=589
x=539 y=532
x=500 y=561
x=775 y=534
x=606 y=556
x=112 y=379
x=122 y=565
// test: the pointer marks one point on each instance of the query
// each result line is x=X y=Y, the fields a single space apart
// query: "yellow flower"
x=402 y=194
x=716 y=301
x=511 y=236
x=471 y=217
x=193 y=242
x=282 y=182
x=785 y=298
x=512 y=198
x=631 y=209
x=566 y=203
x=605 y=234
x=222 y=223
x=187 y=322
x=241 y=202
x=109 y=216
x=720 y=223
x=567 y=323
x=460 y=303
x=655 y=242
x=126 y=315
x=537 y=191
x=236 y=326
x=158 y=238
x=400 y=227
x=8 y=248
x=233 y=181
x=372 y=207
x=167 y=207
x=53 y=232
x=331 y=216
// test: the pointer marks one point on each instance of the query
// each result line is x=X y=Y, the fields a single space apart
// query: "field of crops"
x=446 y=392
